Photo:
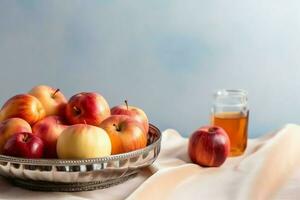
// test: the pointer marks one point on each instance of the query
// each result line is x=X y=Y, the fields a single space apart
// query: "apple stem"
x=126 y=103
x=25 y=137
x=84 y=122
x=212 y=129
x=54 y=93
x=77 y=111
x=117 y=127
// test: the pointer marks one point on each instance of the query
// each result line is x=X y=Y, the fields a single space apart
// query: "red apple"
x=83 y=141
x=134 y=112
x=11 y=126
x=23 y=106
x=87 y=107
x=25 y=145
x=52 y=99
x=125 y=133
x=49 y=129
x=209 y=146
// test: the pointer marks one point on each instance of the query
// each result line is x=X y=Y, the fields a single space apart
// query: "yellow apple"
x=83 y=141
x=52 y=99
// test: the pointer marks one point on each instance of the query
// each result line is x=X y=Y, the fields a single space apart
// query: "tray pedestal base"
x=68 y=187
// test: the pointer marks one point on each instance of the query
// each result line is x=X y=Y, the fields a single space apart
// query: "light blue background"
x=166 y=57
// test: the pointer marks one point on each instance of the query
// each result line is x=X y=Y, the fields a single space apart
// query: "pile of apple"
x=43 y=124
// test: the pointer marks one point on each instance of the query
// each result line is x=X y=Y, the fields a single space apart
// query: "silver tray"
x=80 y=175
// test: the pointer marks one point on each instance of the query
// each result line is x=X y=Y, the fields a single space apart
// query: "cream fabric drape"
x=269 y=169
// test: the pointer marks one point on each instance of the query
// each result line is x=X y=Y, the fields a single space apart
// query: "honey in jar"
x=230 y=111
x=236 y=126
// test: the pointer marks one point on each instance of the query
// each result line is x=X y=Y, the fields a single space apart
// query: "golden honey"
x=236 y=126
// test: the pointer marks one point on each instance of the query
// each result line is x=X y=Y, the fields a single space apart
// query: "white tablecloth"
x=270 y=169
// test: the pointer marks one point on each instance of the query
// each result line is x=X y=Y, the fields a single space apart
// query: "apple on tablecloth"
x=209 y=146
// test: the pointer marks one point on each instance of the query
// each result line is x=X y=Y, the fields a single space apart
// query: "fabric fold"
x=260 y=173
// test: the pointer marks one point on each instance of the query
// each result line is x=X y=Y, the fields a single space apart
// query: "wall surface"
x=164 y=56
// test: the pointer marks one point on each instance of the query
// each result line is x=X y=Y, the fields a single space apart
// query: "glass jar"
x=230 y=111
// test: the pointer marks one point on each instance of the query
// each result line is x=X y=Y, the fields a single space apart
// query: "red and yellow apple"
x=125 y=133
x=83 y=141
x=52 y=99
x=10 y=127
x=87 y=107
x=209 y=146
x=23 y=106
x=49 y=129
x=134 y=112
x=25 y=145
